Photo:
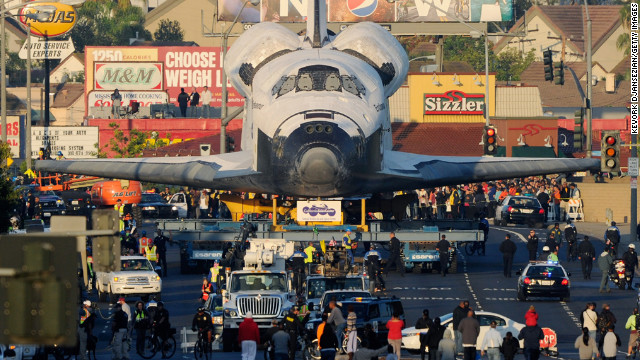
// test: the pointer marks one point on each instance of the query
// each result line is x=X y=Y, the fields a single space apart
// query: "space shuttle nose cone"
x=319 y=166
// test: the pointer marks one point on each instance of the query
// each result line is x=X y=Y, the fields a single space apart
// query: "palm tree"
x=624 y=39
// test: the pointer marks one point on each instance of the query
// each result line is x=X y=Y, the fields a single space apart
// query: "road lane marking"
x=468 y=281
x=499 y=289
x=422 y=288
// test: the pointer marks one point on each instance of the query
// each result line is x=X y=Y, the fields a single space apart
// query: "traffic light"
x=38 y=289
x=610 y=151
x=231 y=144
x=577 y=129
x=490 y=140
x=548 y=65
x=106 y=249
x=559 y=72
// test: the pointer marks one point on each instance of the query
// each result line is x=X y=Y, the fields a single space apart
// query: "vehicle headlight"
x=59 y=202
x=217 y=320
x=155 y=278
x=174 y=208
x=309 y=326
x=116 y=279
x=284 y=312
x=148 y=208
x=230 y=312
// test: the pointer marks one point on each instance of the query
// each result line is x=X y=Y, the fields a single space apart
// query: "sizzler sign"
x=453 y=102
x=61 y=20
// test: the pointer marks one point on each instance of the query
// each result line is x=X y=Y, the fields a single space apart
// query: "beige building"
x=547 y=26
x=68 y=105
x=16 y=35
x=196 y=17
x=68 y=69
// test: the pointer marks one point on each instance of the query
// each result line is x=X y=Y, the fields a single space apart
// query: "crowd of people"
x=472 y=201
x=153 y=317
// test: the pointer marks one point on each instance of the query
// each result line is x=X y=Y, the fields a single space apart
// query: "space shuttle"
x=317 y=123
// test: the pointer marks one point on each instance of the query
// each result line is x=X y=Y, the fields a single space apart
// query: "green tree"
x=623 y=42
x=169 y=30
x=8 y=195
x=469 y=50
x=510 y=64
x=126 y=145
x=108 y=23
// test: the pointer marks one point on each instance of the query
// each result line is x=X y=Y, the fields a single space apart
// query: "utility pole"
x=27 y=138
x=3 y=81
x=589 y=86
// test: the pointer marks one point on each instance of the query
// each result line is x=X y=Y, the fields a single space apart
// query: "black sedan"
x=544 y=279
x=154 y=206
x=520 y=210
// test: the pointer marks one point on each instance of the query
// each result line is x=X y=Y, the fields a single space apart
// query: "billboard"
x=454 y=102
x=319 y=211
x=128 y=76
x=372 y=10
x=61 y=19
x=75 y=142
x=182 y=67
x=145 y=98
x=13 y=134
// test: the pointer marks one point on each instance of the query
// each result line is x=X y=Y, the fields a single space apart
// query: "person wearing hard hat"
x=59 y=156
x=630 y=258
x=546 y=250
x=150 y=251
x=347 y=243
x=143 y=242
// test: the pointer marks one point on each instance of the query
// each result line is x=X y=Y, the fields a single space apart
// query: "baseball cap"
x=87 y=302
x=348 y=229
x=632 y=246
x=121 y=298
x=545 y=248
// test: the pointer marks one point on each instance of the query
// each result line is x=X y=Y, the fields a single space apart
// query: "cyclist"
x=202 y=323
x=161 y=322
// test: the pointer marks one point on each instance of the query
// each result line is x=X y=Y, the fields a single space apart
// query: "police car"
x=544 y=279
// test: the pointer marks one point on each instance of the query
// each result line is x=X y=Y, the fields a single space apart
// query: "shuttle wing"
x=197 y=171
x=428 y=171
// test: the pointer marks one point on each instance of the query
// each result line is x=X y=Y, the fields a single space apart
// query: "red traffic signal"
x=610 y=152
x=490 y=141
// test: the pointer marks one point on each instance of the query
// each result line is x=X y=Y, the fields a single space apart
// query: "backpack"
x=570 y=233
x=603 y=322
x=637 y=322
x=613 y=236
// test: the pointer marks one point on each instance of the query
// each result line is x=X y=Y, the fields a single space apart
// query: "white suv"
x=137 y=277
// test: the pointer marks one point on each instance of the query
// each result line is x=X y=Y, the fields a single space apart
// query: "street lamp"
x=223 y=116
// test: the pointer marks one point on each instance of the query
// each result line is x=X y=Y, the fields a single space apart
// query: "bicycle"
x=635 y=348
x=203 y=347
x=311 y=351
x=461 y=9
x=471 y=247
x=345 y=341
x=153 y=344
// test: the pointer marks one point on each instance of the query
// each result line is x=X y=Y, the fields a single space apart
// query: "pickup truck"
x=137 y=277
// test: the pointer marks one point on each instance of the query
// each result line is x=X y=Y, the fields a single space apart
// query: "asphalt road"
x=479 y=280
